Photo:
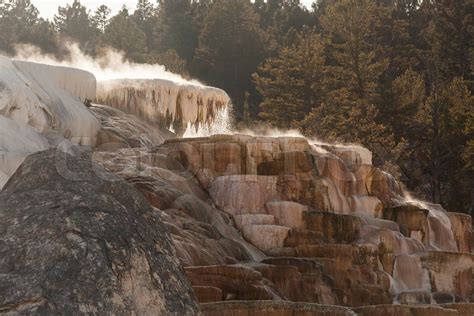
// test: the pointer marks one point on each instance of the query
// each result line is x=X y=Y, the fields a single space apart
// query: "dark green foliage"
x=20 y=24
x=175 y=28
x=74 y=22
x=231 y=45
x=124 y=34
x=292 y=82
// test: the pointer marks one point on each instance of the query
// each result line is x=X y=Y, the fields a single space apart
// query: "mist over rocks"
x=47 y=102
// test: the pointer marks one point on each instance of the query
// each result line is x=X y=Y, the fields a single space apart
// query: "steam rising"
x=110 y=65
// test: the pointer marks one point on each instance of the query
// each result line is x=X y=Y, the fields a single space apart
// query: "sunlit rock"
x=164 y=102
x=462 y=229
x=450 y=273
x=289 y=214
x=413 y=220
x=17 y=141
x=40 y=107
x=238 y=194
x=266 y=237
x=409 y=273
x=49 y=99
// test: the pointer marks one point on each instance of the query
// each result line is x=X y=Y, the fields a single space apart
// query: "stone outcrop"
x=49 y=99
x=41 y=107
x=277 y=308
x=451 y=275
x=405 y=310
x=298 y=201
x=462 y=229
x=261 y=223
x=164 y=102
x=273 y=308
x=121 y=130
x=202 y=234
x=12 y=153
x=78 y=240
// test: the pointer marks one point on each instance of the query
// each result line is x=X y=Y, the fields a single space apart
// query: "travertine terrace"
x=143 y=221
x=175 y=105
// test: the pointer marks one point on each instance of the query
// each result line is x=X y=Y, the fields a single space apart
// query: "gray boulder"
x=75 y=239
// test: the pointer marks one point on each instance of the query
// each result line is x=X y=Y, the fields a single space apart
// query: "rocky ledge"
x=280 y=219
x=243 y=225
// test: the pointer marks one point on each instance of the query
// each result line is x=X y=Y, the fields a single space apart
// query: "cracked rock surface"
x=77 y=240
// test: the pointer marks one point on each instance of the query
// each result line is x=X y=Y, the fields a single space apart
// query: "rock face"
x=256 y=223
x=40 y=107
x=49 y=99
x=298 y=201
x=273 y=308
x=121 y=130
x=12 y=153
x=202 y=234
x=75 y=239
x=164 y=102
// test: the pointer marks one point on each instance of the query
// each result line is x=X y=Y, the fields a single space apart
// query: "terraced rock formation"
x=280 y=219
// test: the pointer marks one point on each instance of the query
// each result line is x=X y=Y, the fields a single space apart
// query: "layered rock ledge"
x=318 y=226
x=167 y=103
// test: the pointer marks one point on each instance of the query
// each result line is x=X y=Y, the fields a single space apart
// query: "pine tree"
x=175 y=28
x=101 y=18
x=342 y=119
x=292 y=83
x=124 y=34
x=436 y=125
x=349 y=111
x=231 y=46
x=450 y=36
x=283 y=19
x=25 y=16
x=172 y=62
x=8 y=36
x=348 y=25
x=74 y=22
x=21 y=24
x=145 y=16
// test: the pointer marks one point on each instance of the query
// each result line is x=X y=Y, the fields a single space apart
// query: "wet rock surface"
x=121 y=130
x=77 y=240
x=273 y=308
x=261 y=223
x=367 y=243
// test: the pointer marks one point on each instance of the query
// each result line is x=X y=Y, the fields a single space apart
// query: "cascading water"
x=409 y=274
x=220 y=125
x=167 y=103
x=440 y=228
